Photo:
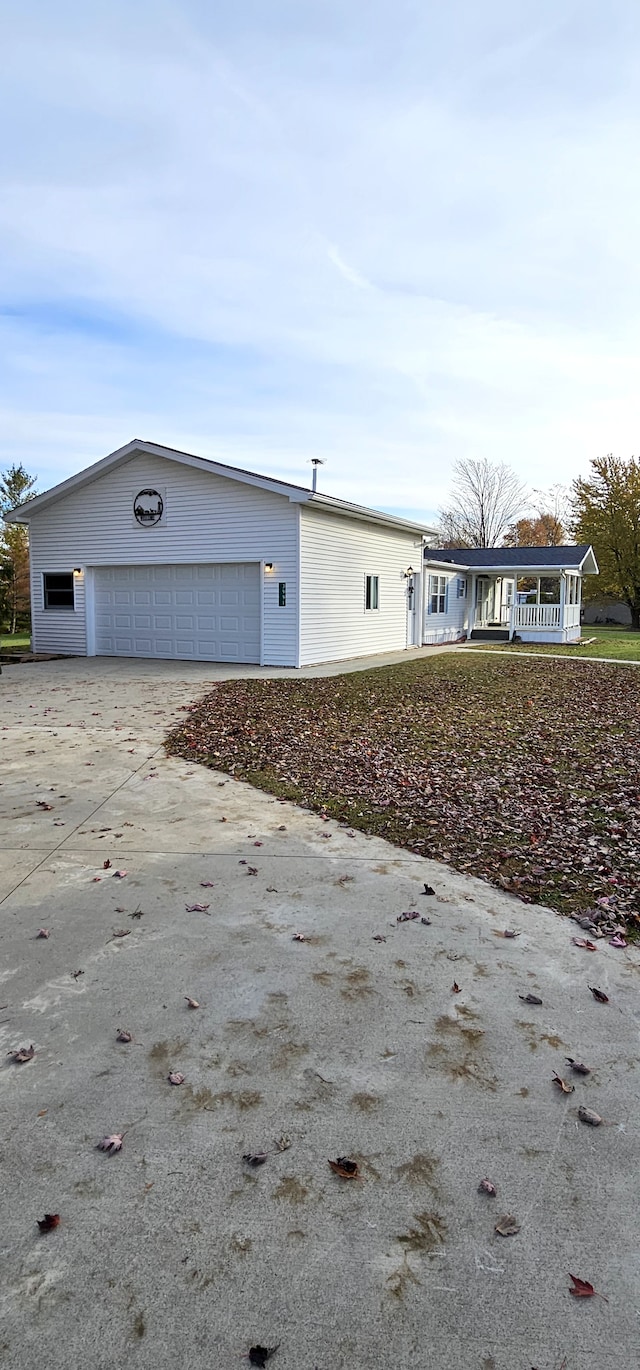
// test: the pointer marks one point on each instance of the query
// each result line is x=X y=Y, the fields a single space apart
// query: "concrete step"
x=489 y=635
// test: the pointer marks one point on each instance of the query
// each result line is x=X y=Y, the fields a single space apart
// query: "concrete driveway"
x=351 y=1043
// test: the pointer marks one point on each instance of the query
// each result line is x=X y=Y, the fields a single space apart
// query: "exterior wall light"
x=77 y=570
x=409 y=572
x=268 y=565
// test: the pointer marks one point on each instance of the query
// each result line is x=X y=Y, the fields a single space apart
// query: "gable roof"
x=297 y=494
x=571 y=558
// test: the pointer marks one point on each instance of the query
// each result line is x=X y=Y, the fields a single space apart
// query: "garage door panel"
x=174 y=625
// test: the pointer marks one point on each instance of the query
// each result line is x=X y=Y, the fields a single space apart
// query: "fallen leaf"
x=584 y=942
x=588 y=1115
x=583 y=1290
x=455 y=988
x=191 y=1003
x=106 y=865
x=507 y=1225
x=530 y=998
x=282 y=828
x=298 y=937
x=562 y=1084
x=428 y=889
x=223 y=820
x=123 y=1036
x=22 y=1055
x=487 y=1187
x=283 y=1143
x=76 y=974
x=407 y=917
x=252 y=870
x=175 y=1078
x=508 y=932
x=577 y=1066
x=42 y=804
x=119 y=875
x=617 y=941
x=377 y=937
x=258 y=844
x=206 y=884
x=111 y=1144
x=42 y=1112
x=49 y=1221
x=256 y=1158
x=259 y=1355
x=197 y=908
x=271 y=889
x=599 y=995
x=122 y=932
x=346 y=1169
x=42 y=932
x=96 y=880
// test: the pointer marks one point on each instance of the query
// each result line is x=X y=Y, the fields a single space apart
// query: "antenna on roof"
x=315 y=462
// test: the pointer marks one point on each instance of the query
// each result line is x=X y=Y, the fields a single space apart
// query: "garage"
x=203 y=612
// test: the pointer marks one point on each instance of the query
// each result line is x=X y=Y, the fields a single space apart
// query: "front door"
x=485 y=593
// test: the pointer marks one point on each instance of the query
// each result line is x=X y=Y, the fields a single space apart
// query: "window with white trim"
x=461 y=588
x=371 y=592
x=58 y=590
x=437 y=594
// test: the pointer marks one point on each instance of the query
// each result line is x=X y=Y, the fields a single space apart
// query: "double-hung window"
x=461 y=588
x=372 y=592
x=437 y=594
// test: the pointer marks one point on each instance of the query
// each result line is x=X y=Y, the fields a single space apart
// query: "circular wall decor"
x=147 y=507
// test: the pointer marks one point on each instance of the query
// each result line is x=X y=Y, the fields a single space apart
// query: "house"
x=153 y=552
x=495 y=593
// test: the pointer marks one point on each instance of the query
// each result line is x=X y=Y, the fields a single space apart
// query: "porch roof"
x=501 y=560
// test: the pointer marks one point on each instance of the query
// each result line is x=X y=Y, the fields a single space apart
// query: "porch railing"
x=539 y=615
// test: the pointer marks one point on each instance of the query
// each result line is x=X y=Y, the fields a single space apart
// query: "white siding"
x=451 y=625
x=335 y=556
x=208 y=518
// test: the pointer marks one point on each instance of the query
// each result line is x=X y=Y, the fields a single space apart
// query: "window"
x=371 y=592
x=282 y=594
x=437 y=594
x=58 y=590
x=461 y=588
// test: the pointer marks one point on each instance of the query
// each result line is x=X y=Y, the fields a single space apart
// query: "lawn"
x=15 y=641
x=619 y=643
x=523 y=774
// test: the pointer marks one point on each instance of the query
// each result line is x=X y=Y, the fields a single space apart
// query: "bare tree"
x=485 y=499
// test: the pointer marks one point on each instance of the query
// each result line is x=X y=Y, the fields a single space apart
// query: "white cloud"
x=386 y=235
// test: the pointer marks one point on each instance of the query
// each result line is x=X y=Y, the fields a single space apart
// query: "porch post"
x=512 y=614
x=563 y=600
x=471 y=616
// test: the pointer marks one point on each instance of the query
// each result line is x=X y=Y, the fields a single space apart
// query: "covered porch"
x=526 y=604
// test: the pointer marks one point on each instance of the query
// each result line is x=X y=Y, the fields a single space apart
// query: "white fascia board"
x=328 y=504
x=589 y=565
x=434 y=563
x=25 y=512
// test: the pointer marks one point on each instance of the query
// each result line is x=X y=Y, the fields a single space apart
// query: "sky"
x=385 y=233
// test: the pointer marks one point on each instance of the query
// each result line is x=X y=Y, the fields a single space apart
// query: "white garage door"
x=202 y=613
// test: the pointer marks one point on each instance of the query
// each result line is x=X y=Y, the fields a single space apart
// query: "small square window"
x=58 y=590
x=371 y=592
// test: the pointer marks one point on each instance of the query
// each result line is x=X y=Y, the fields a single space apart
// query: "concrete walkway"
x=177 y=1253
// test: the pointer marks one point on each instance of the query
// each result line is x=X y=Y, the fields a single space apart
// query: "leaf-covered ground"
x=522 y=772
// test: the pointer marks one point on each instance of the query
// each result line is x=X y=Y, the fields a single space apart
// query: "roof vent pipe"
x=315 y=462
